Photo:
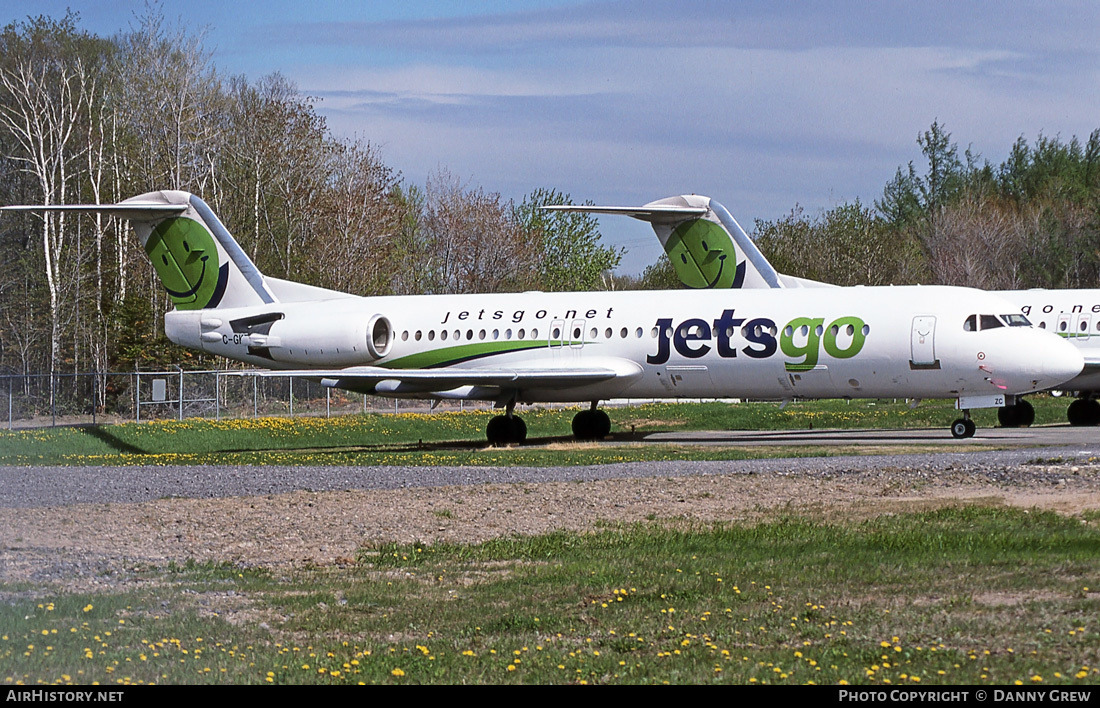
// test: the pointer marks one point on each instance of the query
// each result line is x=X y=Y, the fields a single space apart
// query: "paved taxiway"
x=1046 y=435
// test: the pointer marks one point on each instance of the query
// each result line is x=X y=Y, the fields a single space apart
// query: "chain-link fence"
x=35 y=400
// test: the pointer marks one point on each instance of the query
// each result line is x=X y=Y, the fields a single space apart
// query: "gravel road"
x=56 y=486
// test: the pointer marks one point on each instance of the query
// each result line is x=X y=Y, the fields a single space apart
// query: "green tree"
x=568 y=252
x=846 y=245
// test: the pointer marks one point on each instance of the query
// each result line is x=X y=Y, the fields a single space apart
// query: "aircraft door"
x=1063 y=329
x=1082 y=328
x=923 y=342
x=576 y=332
x=558 y=334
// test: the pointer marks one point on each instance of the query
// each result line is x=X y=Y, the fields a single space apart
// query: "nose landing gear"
x=963 y=427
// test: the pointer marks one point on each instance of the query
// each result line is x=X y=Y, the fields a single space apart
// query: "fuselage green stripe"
x=447 y=356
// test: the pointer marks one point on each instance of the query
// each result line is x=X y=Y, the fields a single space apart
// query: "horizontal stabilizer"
x=651 y=213
x=132 y=211
x=199 y=263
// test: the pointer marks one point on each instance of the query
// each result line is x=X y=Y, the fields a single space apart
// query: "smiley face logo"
x=703 y=255
x=186 y=258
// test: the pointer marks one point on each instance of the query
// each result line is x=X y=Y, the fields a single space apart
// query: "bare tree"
x=42 y=111
x=472 y=242
x=357 y=236
x=168 y=99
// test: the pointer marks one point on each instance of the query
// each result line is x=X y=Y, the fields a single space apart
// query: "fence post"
x=291 y=380
x=255 y=396
x=137 y=397
x=180 y=417
x=217 y=395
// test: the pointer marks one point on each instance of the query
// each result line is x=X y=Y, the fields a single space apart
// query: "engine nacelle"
x=314 y=335
x=311 y=342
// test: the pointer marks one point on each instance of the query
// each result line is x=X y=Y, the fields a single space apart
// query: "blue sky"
x=761 y=105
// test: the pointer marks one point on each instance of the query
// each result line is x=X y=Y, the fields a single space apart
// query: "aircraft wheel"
x=1027 y=413
x=517 y=429
x=1020 y=415
x=602 y=423
x=1083 y=411
x=497 y=431
x=963 y=428
x=503 y=430
x=591 y=425
x=582 y=426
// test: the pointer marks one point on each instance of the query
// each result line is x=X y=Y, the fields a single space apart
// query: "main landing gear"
x=963 y=427
x=1084 y=411
x=1018 y=415
x=591 y=424
x=507 y=428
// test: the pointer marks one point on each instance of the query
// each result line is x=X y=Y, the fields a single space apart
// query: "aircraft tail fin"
x=706 y=245
x=198 y=261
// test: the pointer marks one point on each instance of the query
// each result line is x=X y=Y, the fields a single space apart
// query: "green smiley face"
x=703 y=256
x=186 y=258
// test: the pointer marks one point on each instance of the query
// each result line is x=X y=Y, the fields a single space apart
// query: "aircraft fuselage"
x=845 y=342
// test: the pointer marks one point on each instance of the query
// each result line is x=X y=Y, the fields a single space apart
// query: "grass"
x=458 y=438
x=962 y=595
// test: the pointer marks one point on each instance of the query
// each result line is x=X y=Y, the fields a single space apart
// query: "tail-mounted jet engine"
x=298 y=338
x=312 y=341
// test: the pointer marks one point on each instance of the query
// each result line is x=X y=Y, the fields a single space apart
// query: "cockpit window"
x=990 y=322
x=971 y=324
x=1016 y=320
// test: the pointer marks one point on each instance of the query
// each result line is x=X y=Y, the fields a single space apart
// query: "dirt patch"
x=81 y=546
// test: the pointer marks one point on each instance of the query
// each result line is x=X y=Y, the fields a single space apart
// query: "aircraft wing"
x=427 y=380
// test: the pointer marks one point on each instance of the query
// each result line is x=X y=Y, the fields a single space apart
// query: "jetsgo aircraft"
x=709 y=249
x=587 y=347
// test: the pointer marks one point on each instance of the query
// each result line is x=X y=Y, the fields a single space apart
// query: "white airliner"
x=591 y=346
x=709 y=250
